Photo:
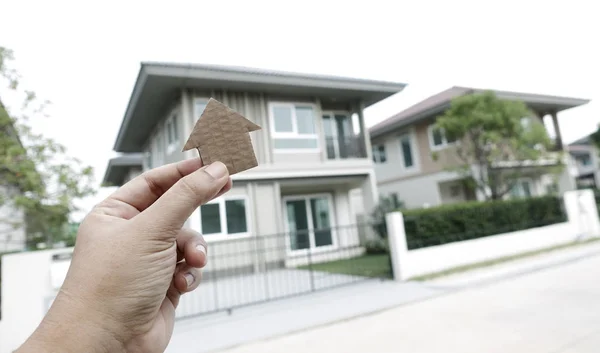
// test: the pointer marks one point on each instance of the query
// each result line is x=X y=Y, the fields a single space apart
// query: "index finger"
x=143 y=190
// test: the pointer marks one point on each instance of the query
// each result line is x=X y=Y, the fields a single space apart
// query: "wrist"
x=68 y=328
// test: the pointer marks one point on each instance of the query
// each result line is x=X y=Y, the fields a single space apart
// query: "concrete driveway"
x=554 y=310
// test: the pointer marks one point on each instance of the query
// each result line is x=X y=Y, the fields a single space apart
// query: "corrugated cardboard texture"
x=222 y=134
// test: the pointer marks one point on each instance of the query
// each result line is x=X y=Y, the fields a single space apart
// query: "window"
x=148 y=159
x=522 y=188
x=172 y=133
x=224 y=216
x=584 y=160
x=379 y=154
x=407 y=154
x=293 y=127
x=438 y=139
x=158 y=150
x=199 y=105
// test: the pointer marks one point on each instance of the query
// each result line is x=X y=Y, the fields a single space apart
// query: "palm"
x=157 y=338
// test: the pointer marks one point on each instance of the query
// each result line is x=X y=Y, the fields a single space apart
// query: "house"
x=407 y=172
x=123 y=168
x=313 y=154
x=584 y=155
x=12 y=219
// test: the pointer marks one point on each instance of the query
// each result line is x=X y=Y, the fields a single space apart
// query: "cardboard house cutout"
x=222 y=134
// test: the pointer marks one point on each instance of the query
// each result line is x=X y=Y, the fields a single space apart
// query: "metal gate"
x=257 y=269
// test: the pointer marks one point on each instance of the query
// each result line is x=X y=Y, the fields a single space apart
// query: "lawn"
x=366 y=266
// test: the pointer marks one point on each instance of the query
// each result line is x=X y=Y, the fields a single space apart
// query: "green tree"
x=37 y=176
x=595 y=137
x=497 y=140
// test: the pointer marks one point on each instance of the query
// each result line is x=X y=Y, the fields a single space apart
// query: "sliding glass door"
x=309 y=221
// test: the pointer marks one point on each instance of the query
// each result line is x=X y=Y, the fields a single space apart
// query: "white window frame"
x=224 y=235
x=294 y=134
x=311 y=249
x=378 y=160
x=413 y=150
x=444 y=144
x=169 y=128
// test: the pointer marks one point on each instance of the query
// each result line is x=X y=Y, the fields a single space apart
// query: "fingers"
x=191 y=246
x=176 y=205
x=140 y=192
x=186 y=278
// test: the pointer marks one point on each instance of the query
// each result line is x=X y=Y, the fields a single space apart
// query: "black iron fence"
x=345 y=147
x=248 y=270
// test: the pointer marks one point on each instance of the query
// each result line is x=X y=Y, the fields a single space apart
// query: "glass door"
x=338 y=135
x=309 y=222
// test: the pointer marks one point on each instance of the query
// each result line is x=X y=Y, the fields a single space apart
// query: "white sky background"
x=85 y=58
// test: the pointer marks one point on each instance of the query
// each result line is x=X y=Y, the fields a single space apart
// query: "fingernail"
x=217 y=170
x=201 y=248
x=189 y=279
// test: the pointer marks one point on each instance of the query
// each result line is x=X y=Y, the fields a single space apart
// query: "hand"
x=132 y=261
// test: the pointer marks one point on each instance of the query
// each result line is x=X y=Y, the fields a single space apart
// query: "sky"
x=84 y=57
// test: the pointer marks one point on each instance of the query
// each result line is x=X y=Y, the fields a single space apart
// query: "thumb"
x=175 y=206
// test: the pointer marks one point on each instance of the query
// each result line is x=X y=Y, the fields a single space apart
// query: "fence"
x=253 y=270
x=577 y=217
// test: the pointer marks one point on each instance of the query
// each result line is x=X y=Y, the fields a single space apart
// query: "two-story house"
x=586 y=164
x=403 y=147
x=313 y=151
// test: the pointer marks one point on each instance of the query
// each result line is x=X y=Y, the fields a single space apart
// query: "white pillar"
x=582 y=212
x=397 y=243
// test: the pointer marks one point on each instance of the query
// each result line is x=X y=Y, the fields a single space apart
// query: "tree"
x=595 y=137
x=37 y=175
x=497 y=140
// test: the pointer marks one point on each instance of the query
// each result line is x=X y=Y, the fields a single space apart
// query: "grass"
x=500 y=260
x=367 y=266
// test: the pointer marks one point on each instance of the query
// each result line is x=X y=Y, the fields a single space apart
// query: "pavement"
x=549 y=303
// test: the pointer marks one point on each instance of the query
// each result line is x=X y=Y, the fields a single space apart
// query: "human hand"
x=132 y=261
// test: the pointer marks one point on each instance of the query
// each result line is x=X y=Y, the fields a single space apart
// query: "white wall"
x=582 y=222
x=12 y=223
x=30 y=282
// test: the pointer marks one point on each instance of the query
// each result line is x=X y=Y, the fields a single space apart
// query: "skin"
x=131 y=263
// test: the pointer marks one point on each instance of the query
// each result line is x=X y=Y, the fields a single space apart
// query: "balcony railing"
x=344 y=147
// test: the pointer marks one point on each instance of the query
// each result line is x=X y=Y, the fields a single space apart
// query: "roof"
x=158 y=84
x=583 y=141
x=441 y=101
x=117 y=168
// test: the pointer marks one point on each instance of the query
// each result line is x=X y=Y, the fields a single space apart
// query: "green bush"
x=471 y=220
x=377 y=246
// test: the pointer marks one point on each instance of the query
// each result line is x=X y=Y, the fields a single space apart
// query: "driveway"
x=554 y=310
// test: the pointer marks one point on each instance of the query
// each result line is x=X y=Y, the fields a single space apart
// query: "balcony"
x=345 y=147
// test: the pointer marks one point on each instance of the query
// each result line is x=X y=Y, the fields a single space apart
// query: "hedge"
x=471 y=220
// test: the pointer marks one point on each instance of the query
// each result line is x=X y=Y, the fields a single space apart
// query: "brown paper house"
x=222 y=134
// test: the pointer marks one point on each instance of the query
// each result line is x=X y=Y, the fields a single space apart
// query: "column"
x=559 y=144
x=364 y=132
x=370 y=195
x=397 y=243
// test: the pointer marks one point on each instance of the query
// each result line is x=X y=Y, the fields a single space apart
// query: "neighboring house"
x=12 y=219
x=313 y=152
x=403 y=145
x=584 y=155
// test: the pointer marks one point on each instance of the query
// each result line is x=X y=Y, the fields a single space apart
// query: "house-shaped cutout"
x=222 y=134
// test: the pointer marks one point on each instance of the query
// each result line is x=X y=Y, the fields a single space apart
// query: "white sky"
x=85 y=59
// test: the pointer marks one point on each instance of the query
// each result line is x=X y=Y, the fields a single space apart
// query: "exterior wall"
x=11 y=238
x=419 y=191
x=255 y=107
x=132 y=173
